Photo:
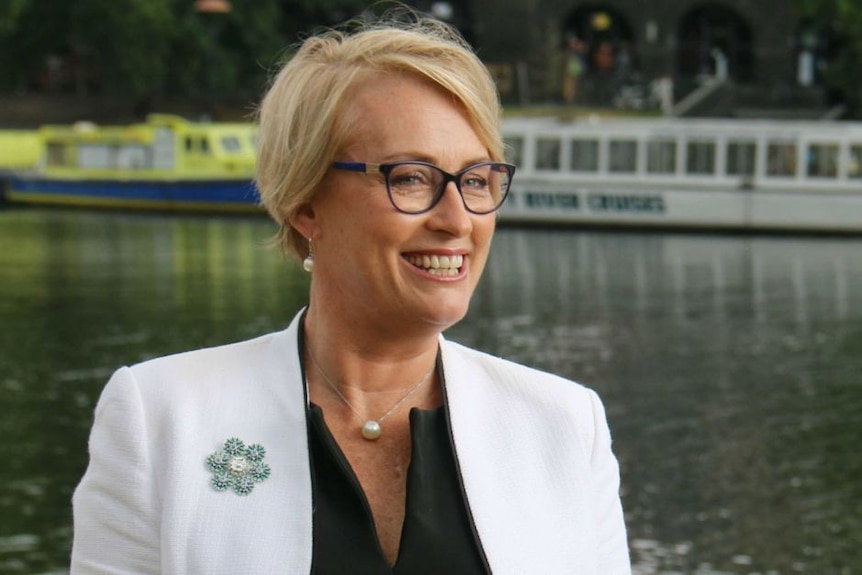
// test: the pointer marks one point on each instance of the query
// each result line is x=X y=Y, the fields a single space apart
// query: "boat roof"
x=598 y=124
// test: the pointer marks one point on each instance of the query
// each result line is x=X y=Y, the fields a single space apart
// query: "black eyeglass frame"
x=455 y=178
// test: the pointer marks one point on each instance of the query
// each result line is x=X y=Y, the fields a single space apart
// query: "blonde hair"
x=303 y=120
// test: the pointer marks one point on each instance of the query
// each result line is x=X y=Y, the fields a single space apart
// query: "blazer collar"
x=503 y=441
x=513 y=496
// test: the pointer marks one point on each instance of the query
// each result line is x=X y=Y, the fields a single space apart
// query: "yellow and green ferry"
x=164 y=163
x=20 y=150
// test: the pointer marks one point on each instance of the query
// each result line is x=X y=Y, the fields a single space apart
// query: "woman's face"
x=377 y=264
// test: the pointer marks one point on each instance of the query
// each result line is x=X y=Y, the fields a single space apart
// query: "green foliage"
x=128 y=39
x=32 y=25
x=153 y=48
x=10 y=14
x=841 y=22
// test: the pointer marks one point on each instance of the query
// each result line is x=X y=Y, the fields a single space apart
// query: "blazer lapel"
x=277 y=516
x=525 y=486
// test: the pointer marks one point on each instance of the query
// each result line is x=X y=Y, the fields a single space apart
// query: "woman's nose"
x=450 y=213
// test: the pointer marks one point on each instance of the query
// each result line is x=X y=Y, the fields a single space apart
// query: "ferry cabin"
x=163 y=146
x=715 y=174
x=19 y=150
x=166 y=163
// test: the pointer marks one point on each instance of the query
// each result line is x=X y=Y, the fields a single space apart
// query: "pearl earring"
x=308 y=262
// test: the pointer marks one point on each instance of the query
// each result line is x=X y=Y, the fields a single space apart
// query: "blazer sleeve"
x=613 y=551
x=116 y=507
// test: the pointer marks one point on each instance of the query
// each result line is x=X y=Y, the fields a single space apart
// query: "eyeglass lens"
x=416 y=187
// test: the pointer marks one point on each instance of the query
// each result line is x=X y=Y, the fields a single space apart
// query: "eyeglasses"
x=416 y=187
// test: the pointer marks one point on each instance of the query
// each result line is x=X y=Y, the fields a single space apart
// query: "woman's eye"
x=474 y=182
x=409 y=179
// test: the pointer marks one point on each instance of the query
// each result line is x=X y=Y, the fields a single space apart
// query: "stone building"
x=761 y=47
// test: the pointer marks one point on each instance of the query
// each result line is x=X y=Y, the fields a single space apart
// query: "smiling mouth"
x=438 y=265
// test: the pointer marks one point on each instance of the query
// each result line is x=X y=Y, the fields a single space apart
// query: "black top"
x=438 y=535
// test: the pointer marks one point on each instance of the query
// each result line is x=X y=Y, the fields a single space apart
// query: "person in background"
x=575 y=67
x=359 y=439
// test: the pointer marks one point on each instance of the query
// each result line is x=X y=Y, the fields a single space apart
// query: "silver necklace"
x=370 y=429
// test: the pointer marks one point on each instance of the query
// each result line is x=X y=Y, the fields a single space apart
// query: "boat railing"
x=747 y=155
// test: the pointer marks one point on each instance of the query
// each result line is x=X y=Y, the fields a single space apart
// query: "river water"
x=731 y=367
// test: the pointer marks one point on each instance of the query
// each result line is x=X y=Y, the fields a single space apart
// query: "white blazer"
x=534 y=452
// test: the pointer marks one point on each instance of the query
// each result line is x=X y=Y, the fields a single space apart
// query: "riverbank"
x=33 y=110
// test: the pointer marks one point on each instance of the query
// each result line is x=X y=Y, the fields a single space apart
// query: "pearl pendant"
x=308 y=264
x=371 y=430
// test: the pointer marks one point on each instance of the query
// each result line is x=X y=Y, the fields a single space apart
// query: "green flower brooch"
x=238 y=466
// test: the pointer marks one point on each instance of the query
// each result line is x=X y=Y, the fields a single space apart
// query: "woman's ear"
x=305 y=221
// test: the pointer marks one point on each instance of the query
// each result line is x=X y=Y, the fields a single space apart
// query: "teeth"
x=443 y=271
x=438 y=265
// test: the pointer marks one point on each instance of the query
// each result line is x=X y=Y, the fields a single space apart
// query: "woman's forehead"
x=400 y=108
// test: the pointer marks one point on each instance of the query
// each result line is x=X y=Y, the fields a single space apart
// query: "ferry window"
x=189 y=144
x=623 y=156
x=205 y=145
x=854 y=166
x=741 y=158
x=584 y=156
x=822 y=160
x=548 y=154
x=661 y=157
x=781 y=159
x=701 y=158
x=230 y=144
x=515 y=151
x=96 y=156
x=132 y=156
x=57 y=155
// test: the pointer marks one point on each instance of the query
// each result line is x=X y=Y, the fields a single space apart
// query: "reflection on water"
x=731 y=371
x=731 y=367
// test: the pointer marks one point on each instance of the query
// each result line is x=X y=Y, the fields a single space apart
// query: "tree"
x=129 y=42
x=28 y=27
x=146 y=49
x=840 y=23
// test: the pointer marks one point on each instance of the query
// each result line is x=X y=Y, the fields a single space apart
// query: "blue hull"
x=204 y=195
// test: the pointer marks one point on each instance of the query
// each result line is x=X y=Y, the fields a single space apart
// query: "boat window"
x=57 y=155
x=822 y=160
x=741 y=158
x=661 y=157
x=701 y=158
x=548 y=154
x=231 y=144
x=133 y=156
x=854 y=166
x=781 y=159
x=199 y=144
x=623 y=156
x=95 y=156
x=515 y=151
x=584 y=156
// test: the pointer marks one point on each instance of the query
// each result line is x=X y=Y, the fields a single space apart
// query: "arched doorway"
x=714 y=41
x=604 y=39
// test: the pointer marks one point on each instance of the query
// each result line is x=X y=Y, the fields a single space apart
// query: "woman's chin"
x=444 y=317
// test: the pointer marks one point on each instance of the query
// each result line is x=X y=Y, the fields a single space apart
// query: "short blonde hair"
x=303 y=119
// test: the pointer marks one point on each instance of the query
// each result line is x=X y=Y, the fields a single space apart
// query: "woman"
x=359 y=440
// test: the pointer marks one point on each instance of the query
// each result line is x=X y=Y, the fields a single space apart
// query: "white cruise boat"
x=711 y=174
